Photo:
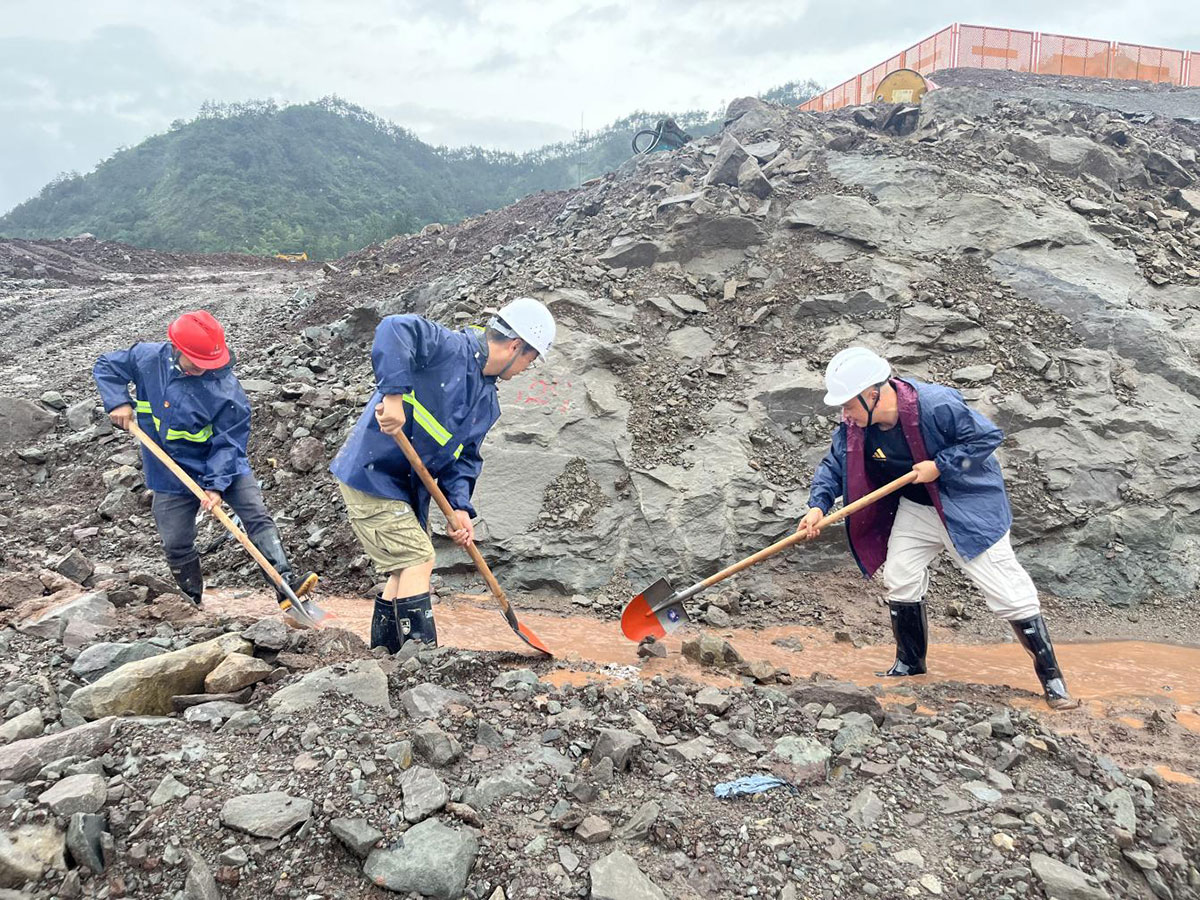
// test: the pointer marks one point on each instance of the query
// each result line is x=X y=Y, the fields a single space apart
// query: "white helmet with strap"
x=529 y=320
x=851 y=372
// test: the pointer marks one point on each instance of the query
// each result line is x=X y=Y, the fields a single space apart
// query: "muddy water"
x=1123 y=672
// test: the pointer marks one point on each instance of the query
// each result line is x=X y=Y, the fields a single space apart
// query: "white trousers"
x=918 y=536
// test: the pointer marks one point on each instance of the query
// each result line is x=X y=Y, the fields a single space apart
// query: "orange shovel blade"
x=646 y=616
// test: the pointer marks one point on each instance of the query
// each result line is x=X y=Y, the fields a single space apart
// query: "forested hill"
x=326 y=177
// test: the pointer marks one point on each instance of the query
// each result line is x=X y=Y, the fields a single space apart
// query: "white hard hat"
x=529 y=320
x=851 y=372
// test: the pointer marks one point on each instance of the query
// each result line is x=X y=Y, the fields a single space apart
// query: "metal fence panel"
x=995 y=48
x=1059 y=54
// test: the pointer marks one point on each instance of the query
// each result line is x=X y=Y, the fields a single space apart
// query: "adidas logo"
x=878 y=454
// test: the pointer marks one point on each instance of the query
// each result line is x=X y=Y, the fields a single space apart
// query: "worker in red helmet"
x=190 y=402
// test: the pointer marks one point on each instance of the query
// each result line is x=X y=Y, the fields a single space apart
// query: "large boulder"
x=362 y=680
x=145 y=687
x=430 y=859
x=22 y=422
x=617 y=876
x=21 y=760
x=27 y=852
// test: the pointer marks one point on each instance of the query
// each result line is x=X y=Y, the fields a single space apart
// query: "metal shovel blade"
x=640 y=619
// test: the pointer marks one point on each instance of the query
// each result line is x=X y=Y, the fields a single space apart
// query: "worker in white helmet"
x=891 y=426
x=437 y=387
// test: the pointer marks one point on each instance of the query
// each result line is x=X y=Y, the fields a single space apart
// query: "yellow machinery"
x=302 y=256
x=902 y=86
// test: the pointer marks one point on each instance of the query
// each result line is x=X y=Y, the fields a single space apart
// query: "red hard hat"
x=200 y=337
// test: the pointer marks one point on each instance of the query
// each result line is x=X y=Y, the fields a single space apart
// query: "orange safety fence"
x=980 y=47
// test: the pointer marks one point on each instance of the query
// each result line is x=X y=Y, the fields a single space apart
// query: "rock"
x=269 y=634
x=22 y=422
x=616 y=745
x=54 y=400
x=493 y=788
x=1187 y=200
x=424 y=793
x=687 y=303
x=362 y=680
x=1120 y=803
x=1062 y=881
x=200 y=883
x=865 y=808
x=170 y=788
x=75 y=565
x=630 y=254
x=27 y=852
x=751 y=179
x=637 y=828
x=594 y=830
x=85 y=840
x=270 y=815
x=428 y=701
x=710 y=650
x=750 y=115
x=28 y=724
x=431 y=859
x=79 y=415
x=18 y=587
x=800 y=759
x=763 y=151
x=76 y=794
x=730 y=157
x=235 y=672
x=146 y=686
x=99 y=659
x=439 y=748
x=1167 y=169
x=358 y=835
x=20 y=760
x=75 y=620
x=973 y=374
x=307 y=455
x=712 y=700
x=691 y=343
x=1087 y=207
x=910 y=856
x=617 y=877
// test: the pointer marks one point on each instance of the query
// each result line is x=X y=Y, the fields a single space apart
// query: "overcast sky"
x=91 y=76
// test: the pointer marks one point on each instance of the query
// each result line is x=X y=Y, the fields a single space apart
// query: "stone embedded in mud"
x=1120 y=803
x=493 y=788
x=865 y=808
x=235 y=672
x=21 y=760
x=431 y=859
x=594 y=830
x=362 y=680
x=844 y=697
x=424 y=793
x=145 y=687
x=710 y=650
x=85 y=840
x=269 y=633
x=358 y=835
x=270 y=815
x=618 y=877
x=615 y=744
x=86 y=616
x=76 y=794
x=27 y=852
x=434 y=745
x=800 y=759
x=1064 y=882
x=712 y=700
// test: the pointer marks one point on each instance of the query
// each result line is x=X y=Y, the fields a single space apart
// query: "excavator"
x=293 y=256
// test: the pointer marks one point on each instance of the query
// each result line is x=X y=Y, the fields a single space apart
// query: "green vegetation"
x=325 y=177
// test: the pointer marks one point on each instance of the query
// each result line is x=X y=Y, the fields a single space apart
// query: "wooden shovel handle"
x=218 y=513
x=798 y=537
x=414 y=460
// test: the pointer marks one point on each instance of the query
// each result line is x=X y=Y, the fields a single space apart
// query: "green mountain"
x=326 y=177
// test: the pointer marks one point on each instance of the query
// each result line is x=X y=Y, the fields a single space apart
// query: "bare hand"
x=390 y=414
x=810 y=523
x=464 y=534
x=121 y=416
x=213 y=501
x=926 y=471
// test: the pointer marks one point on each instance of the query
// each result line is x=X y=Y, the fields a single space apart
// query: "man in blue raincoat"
x=190 y=402
x=438 y=387
x=891 y=426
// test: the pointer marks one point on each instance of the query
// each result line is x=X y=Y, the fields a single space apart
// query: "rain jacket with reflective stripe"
x=969 y=494
x=449 y=407
x=203 y=421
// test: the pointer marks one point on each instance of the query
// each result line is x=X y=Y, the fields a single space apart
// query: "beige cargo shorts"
x=388 y=530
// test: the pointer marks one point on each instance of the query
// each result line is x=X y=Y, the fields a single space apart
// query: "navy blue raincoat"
x=449 y=407
x=202 y=421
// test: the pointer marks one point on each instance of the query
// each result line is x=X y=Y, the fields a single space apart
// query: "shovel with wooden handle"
x=657 y=610
x=304 y=611
x=522 y=631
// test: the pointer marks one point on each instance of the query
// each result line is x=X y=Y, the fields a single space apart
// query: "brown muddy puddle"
x=1117 y=672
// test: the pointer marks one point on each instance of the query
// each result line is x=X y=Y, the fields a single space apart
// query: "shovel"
x=303 y=611
x=522 y=631
x=657 y=611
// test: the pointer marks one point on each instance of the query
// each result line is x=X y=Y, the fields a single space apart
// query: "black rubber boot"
x=911 y=630
x=1035 y=638
x=190 y=580
x=270 y=545
x=414 y=616
x=385 y=631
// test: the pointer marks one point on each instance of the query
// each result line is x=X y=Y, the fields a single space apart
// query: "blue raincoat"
x=202 y=421
x=969 y=495
x=449 y=407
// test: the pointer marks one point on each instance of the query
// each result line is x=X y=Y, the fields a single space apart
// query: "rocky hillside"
x=1042 y=255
